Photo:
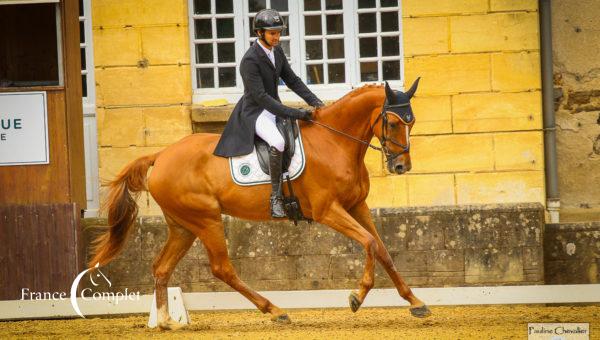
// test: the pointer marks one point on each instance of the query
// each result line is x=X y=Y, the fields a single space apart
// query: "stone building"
x=474 y=208
x=166 y=69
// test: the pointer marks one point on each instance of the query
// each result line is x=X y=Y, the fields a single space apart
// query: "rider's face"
x=272 y=37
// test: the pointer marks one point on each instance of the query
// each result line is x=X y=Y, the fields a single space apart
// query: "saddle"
x=289 y=130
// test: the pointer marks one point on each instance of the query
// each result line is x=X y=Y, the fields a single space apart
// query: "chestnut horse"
x=193 y=188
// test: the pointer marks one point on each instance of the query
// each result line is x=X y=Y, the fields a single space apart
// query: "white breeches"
x=267 y=130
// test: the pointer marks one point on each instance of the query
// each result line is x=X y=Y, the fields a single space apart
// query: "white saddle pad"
x=246 y=171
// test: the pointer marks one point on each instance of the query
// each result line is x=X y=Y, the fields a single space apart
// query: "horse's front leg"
x=339 y=219
x=362 y=214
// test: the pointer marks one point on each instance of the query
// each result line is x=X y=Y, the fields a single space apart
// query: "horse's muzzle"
x=399 y=167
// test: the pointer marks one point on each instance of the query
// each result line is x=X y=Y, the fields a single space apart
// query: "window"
x=379 y=40
x=214 y=44
x=333 y=45
x=322 y=25
x=87 y=55
x=30 y=54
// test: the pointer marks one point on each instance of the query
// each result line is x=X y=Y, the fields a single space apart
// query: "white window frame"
x=89 y=101
x=214 y=93
x=297 y=50
x=379 y=34
x=328 y=91
x=90 y=130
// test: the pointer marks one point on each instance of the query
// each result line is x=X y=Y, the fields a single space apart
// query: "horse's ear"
x=389 y=93
x=413 y=88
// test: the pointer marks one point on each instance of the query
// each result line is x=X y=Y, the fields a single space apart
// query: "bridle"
x=383 y=116
x=390 y=156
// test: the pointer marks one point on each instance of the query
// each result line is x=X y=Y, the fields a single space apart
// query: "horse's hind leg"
x=362 y=215
x=178 y=243
x=212 y=236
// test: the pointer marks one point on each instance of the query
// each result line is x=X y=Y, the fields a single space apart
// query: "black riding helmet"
x=268 y=19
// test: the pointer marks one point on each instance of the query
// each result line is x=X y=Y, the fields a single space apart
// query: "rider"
x=255 y=114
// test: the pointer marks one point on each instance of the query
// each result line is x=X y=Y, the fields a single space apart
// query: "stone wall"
x=572 y=253
x=479 y=97
x=431 y=247
x=143 y=81
x=577 y=87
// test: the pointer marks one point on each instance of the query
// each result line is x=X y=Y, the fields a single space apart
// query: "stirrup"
x=277 y=207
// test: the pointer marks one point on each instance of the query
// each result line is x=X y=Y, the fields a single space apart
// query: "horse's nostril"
x=399 y=169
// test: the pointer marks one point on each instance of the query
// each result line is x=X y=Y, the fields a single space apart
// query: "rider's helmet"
x=268 y=19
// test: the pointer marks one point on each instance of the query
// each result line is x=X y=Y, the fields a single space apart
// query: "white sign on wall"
x=23 y=128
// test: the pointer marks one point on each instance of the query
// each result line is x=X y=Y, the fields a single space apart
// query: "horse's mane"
x=352 y=94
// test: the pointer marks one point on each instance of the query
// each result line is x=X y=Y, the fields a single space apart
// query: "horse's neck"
x=353 y=117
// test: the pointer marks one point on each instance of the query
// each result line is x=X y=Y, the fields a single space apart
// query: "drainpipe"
x=552 y=194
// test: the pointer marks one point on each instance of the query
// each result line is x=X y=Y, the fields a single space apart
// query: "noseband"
x=383 y=115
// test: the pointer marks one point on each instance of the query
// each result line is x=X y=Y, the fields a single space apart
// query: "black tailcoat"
x=260 y=92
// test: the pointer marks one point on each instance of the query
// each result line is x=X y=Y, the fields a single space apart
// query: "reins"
x=347 y=135
x=383 y=116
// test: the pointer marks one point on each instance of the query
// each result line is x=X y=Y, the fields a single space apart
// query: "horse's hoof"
x=420 y=312
x=170 y=325
x=283 y=319
x=354 y=301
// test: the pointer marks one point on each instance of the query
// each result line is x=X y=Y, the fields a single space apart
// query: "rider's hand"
x=304 y=114
x=318 y=104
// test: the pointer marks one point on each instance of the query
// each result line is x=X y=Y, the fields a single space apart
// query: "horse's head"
x=392 y=126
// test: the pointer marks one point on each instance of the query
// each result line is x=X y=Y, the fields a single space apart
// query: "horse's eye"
x=393 y=125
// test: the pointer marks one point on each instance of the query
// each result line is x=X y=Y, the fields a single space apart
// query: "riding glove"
x=318 y=104
x=303 y=114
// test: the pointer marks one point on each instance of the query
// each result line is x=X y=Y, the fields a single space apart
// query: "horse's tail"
x=122 y=209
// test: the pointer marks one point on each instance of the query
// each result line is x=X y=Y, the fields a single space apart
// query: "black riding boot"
x=275 y=158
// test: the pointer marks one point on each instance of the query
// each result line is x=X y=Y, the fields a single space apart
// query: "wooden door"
x=41 y=205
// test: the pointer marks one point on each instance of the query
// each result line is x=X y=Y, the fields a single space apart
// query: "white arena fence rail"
x=388 y=297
